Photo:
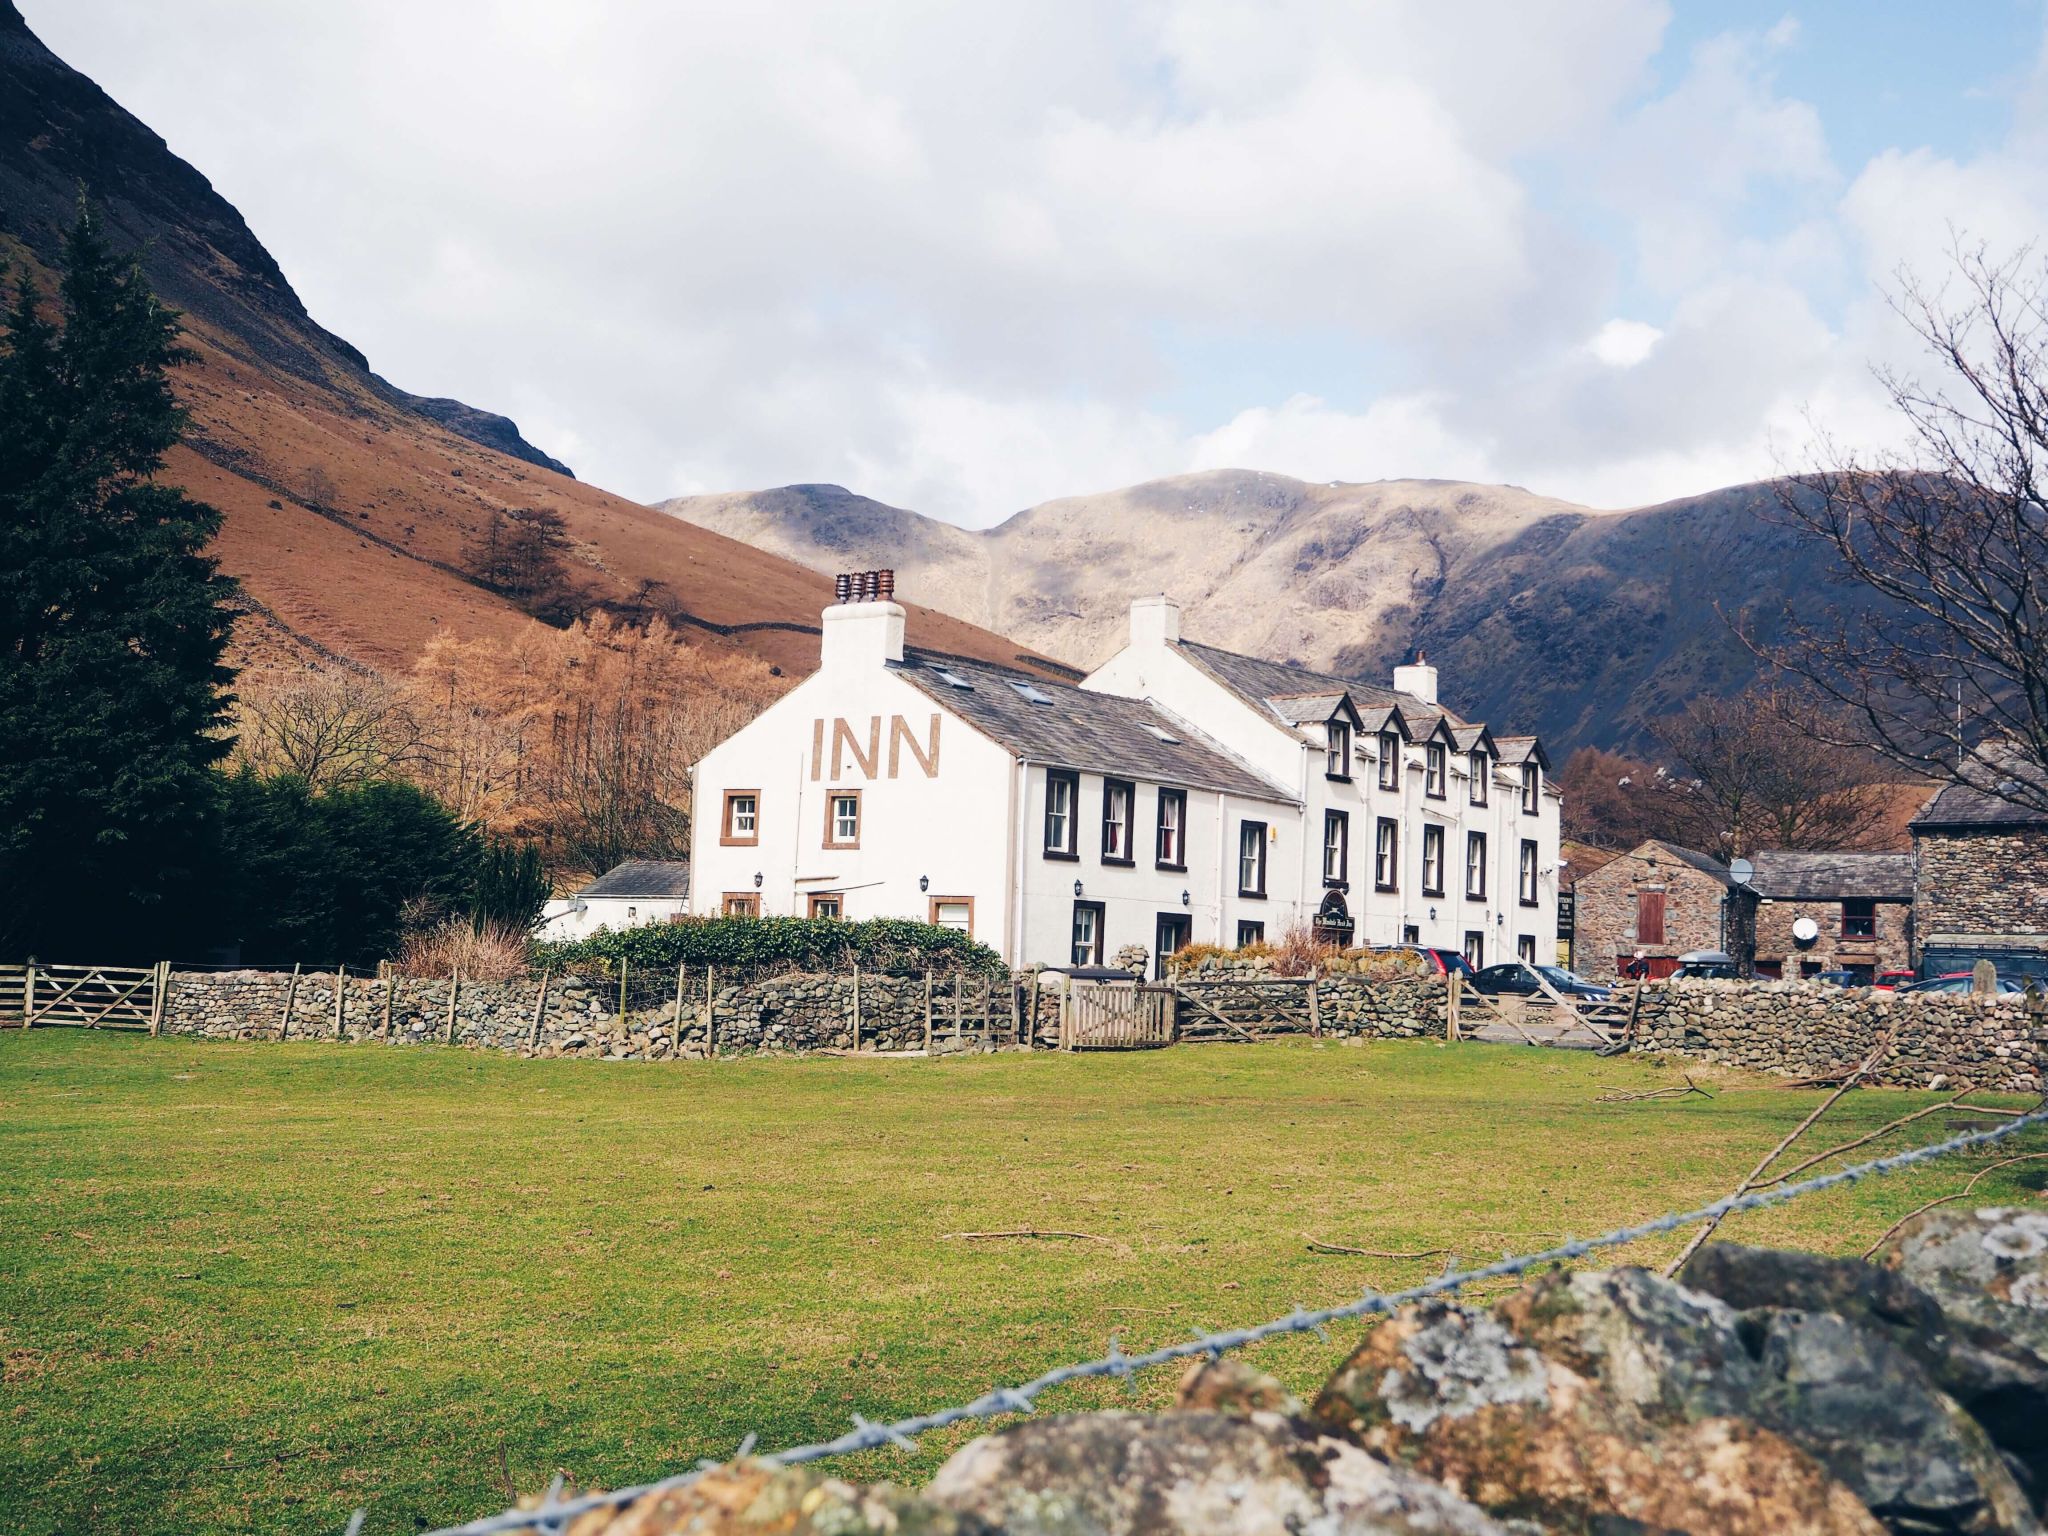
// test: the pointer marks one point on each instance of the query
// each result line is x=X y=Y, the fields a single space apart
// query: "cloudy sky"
x=967 y=257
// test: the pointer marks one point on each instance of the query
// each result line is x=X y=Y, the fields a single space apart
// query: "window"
x=1475 y=865
x=1433 y=770
x=1390 y=760
x=1061 y=790
x=1525 y=949
x=1337 y=763
x=1482 y=773
x=1172 y=936
x=1251 y=858
x=1649 y=917
x=842 y=819
x=1117 y=796
x=740 y=904
x=1336 y=847
x=1859 y=919
x=1411 y=933
x=1527 y=875
x=1171 y=851
x=1087 y=946
x=822 y=905
x=1250 y=933
x=1475 y=948
x=955 y=912
x=1532 y=788
x=1030 y=694
x=1432 y=861
x=741 y=827
x=1386 y=854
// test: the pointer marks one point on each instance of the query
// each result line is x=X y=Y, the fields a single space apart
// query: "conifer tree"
x=113 y=624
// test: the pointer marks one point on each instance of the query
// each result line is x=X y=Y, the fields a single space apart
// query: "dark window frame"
x=1071 y=852
x=1527 y=872
x=1247 y=831
x=1110 y=789
x=1482 y=775
x=1386 y=854
x=1436 y=769
x=1168 y=797
x=1337 y=751
x=1390 y=759
x=1182 y=923
x=1250 y=930
x=1869 y=917
x=1094 y=956
x=1341 y=822
x=1475 y=948
x=1432 y=887
x=1532 y=789
x=1475 y=841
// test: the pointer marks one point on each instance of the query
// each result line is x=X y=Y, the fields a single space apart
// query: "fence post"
x=856 y=1005
x=624 y=967
x=927 y=1012
x=390 y=986
x=454 y=990
x=291 y=995
x=710 y=1023
x=163 y=987
x=28 y=997
x=1315 y=1006
x=1066 y=1014
x=1452 y=999
x=340 y=992
x=675 y=1022
x=540 y=1007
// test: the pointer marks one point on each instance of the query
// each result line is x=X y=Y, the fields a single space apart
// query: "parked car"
x=1958 y=984
x=1445 y=962
x=1889 y=980
x=1517 y=978
x=1838 y=978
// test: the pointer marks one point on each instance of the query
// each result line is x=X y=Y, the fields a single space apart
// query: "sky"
x=966 y=258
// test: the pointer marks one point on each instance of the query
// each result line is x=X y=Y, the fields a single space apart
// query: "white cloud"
x=1624 y=343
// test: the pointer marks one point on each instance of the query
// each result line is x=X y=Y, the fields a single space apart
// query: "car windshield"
x=1558 y=976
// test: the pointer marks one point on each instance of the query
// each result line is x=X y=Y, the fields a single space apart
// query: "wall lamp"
x=924 y=882
x=1184 y=898
x=1077 y=890
x=757 y=879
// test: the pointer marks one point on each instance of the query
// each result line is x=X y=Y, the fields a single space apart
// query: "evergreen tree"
x=113 y=624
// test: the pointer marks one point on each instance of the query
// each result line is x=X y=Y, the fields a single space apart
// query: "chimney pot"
x=842 y=587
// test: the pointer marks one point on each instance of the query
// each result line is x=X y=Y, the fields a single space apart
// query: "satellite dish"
x=1741 y=871
x=1805 y=930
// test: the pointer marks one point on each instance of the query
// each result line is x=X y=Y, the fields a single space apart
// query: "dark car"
x=1839 y=978
x=1956 y=984
x=1518 y=978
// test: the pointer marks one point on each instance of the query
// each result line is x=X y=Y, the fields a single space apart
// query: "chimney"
x=863 y=629
x=1155 y=621
x=1418 y=678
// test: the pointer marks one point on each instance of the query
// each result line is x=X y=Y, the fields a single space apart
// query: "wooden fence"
x=1116 y=1016
x=84 y=996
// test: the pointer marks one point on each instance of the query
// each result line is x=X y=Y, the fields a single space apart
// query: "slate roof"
x=1081 y=729
x=1255 y=681
x=1305 y=708
x=1517 y=749
x=642 y=877
x=1961 y=806
x=1705 y=863
x=1785 y=875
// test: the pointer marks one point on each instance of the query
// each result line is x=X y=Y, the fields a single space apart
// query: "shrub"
x=480 y=951
x=891 y=944
x=1300 y=951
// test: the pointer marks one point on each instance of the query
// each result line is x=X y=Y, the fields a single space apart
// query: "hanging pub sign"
x=1567 y=914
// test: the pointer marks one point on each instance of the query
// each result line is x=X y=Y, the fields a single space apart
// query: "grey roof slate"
x=1705 y=863
x=642 y=877
x=1082 y=729
x=1256 y=680
x=1963 y=806
x=1306 y=708
x=1785 y=874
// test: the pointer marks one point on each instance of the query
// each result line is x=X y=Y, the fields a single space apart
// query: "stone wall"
x=1981 y=883
x=1809 y=1029
x=1891 y=949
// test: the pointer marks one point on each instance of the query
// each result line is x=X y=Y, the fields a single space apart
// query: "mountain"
x=351 y=506
x=1543 y=616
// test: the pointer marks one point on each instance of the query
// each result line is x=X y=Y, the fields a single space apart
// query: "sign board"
x=1567 y=914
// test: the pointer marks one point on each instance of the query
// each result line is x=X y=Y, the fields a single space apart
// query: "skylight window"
x=1164 y=735
x=955 y=680
x=1027 y=692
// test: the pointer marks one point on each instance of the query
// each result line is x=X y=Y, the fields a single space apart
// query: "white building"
x=628 y=895
x=1179 y=794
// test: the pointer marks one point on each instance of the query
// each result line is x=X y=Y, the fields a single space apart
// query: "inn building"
x=1180 y=793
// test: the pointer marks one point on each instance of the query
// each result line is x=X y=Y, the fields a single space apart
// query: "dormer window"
x=1481 y=773
x=1338 y=759
x=1435 y=770
x=1390 y=759
x=1532 y=788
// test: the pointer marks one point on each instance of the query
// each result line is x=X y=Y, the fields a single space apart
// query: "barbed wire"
x=554 y=1512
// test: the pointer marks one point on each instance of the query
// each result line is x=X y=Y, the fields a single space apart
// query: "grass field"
x=253 y=1287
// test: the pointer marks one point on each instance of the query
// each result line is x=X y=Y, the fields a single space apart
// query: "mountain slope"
x=351 y=505
x=1541 y=615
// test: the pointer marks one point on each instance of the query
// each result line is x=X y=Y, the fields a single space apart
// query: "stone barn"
x=1818 y=912
x=1656 y=901
x=1980 y=883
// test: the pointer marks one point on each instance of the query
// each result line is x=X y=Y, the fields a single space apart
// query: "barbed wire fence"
x=554 y=1513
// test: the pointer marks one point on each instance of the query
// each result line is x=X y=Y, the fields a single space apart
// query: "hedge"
x=890 y=944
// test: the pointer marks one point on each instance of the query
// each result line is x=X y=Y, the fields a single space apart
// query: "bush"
x=1300 y=951
x=892 y=944
x=481 y=951
x=512 y=887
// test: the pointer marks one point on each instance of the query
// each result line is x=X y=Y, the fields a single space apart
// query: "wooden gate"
x=1116 y=1016
x=86 y=996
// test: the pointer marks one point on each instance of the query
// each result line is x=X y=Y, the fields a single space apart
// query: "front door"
x=1173 y=933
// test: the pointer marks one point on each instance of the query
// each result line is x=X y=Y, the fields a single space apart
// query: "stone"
x=749 y=1499
x=1192 y=1474
x=1229 y=1385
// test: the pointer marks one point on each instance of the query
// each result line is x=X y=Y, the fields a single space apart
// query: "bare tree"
x=327 y=727
x=1943 y=666
x=1764 y=770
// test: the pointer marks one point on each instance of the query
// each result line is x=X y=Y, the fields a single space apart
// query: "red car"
x=1888 y=981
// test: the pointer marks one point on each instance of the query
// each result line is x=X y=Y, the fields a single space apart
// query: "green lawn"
x=251 y=1287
